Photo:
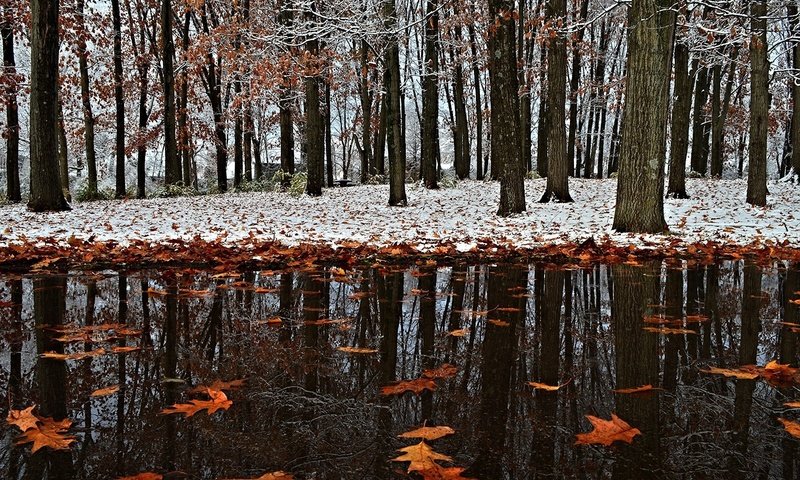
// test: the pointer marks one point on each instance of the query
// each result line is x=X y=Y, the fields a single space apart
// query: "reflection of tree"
x=122 y=318
x=499 y=349
x=49 y=305
x=674 y=344
x=637 y=363
x=427 y=327
x=170 y=359
x=15 y=399
x=748 y=352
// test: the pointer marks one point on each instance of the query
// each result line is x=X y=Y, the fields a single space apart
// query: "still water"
x=313 y=410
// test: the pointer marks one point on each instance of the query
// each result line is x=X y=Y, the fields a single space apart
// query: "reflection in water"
x=316 y=411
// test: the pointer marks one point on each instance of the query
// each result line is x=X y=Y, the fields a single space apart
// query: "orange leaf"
x=740 y=374
x=219 y=401
x=779 y=374
x=458 y=333
x=102 y=392
x=49 y=433
x=143 y=476
x=499 y=323
x=444 y=371
x=416 y=386
x=428 y=433
x=442 y=473
x=421 y=456
x=792 y=404
x=607 y=432
x=544 y=386
x=23 y=419
x=792 y=427
x=669 y=331
x=279 y=475
x=357 y=350
x=642 y=389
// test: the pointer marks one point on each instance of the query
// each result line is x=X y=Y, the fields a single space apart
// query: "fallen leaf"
x=642 y=389
x=669 y=331
x=73 y=356
x=544 y=386
x=218 y=401
x=443 y=473
x=416 y=386
x=102 y=392
x=792 y=404
x=279 y=475
x=48 y=433
x=606 y=432
x=428 y=433
x=742 y=375
x=357 y=350
x=421 y=456
x=792 y=427
x=779 y=374
x=23 y=419
x=499 y=323
x=444 y=371
x=458 y=333
x=143 y=476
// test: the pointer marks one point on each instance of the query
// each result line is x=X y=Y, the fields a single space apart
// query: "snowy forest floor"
x=460 y=218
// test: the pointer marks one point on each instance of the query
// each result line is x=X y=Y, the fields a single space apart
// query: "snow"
x=460 y=216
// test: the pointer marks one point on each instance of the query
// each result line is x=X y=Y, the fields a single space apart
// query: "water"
x=314 y=411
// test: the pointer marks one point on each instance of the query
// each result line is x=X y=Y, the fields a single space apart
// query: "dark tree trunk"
x=795 y=24
x=395 y=131
x=505 y=108
x=574 y=83
x=367 y=158
x=679 y=128
x=119 y=102
x=759 y=106
x=86 y=101
x=285 y=106
x=329 y=138
x=13 y=191
x=184 y=132
x=558 y=164
x=45 y=184
x=699 y=122
x=214 y=90
x=63 y=156
x=172 y=166
x=430 y=101
x=315 y=148
x=543 y=128
x=461 y=136
x=640 y=188
x=476 y=79
x=238 y=133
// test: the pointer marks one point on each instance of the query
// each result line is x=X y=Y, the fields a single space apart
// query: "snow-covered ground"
x=717 y=212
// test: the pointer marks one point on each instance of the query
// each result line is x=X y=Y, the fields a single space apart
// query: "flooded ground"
x=312 y=407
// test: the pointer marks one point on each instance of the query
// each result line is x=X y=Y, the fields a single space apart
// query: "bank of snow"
x=717 y=211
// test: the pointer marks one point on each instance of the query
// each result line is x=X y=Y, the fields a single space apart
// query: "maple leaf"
x=669 y=331
x=642 y=389
x=428 y=433
x=740 y=374
x=48 y=433
x=779 y=374
x=458 y=333
x=220 y=385
x=544 y=386
x=279 y=475
x=23 y=419
x=218 y=401
x=357 y=350
x=415 y=386
x=143 y=476
x=421 y=456
x=102 y=392
x=443 y=473
x=444 y=371
x=73 y=356
x=607 y=432
x=793 y=428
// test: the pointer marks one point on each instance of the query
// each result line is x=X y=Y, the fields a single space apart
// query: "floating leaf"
x=73 y=356
x=444 y=371
x=458 y=333
x=669 y=331
x=499 y=323
x=279 y=475
x=357 y=350
x=443 y=473
x=544 y=386
x=23 y=419
x=740 y=374
x=143 y=476
x=779 y=374
x=218 y=401
x=428 y=433
x=792 y=427
x=102 y=392
x=633 y=390
x=416 y=386
x=421 y=456
x=48 y=433
x=606 y=432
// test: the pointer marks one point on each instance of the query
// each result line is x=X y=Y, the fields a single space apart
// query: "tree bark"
x=86 y=101
x=759 y=106
x=679 y=127
x=557 y=189
x=795 y=25
x=395 y=131
x=63 y=157
x=430 y=101
x=45 y=184
x=476 y=79
x=699 y=122
x=119 y=102
x=640 y=187
x=13 y=191
x=504 y=96
x=172 y=166
x=574 y=83
x=315 y=148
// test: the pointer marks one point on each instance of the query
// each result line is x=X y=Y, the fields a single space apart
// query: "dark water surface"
x=315 y=411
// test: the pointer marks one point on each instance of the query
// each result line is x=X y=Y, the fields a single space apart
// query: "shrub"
x=297 y=185
x=174 y=190
x=83 y=194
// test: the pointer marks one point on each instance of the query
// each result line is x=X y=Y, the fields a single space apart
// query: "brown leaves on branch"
x=41 y=431
x=606 y=432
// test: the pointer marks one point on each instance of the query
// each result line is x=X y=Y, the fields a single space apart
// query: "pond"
x=302 y=357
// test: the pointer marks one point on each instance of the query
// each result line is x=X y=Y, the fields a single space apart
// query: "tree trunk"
x=759 y=106
x=213 y=89
x=698 y=122
x=184 y=131
x=476 y=79
x=574 y=83
x=13 y=191
x=679 y=128
x=395 y=134
x=119 y=102
x=504 y=96
x=367 y=159
x=329 y=137
x=543 y=128
x=238 y=133
x=462 y=149
x=792 y=14
x=45 y=184
x=430 y=101
x=88 y=116
x=558 y=164
x=63 y=157
x=172 y=166
x=315 y=148
x=640 y=188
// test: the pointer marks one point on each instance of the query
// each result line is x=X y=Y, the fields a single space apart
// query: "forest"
x=171 y=98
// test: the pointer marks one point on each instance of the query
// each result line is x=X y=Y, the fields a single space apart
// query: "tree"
x=504 y=95
x=679 y=128
x=12 y=110
x=285 y=18
x=172 y=166
x=46 y=191
x=794 y=22
x=558 y=164
x=395 y=133
x=119 y=101
x=86 y=100
x=640 y=187
x=430 y=99
x=315 y=154
x=759 y=105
